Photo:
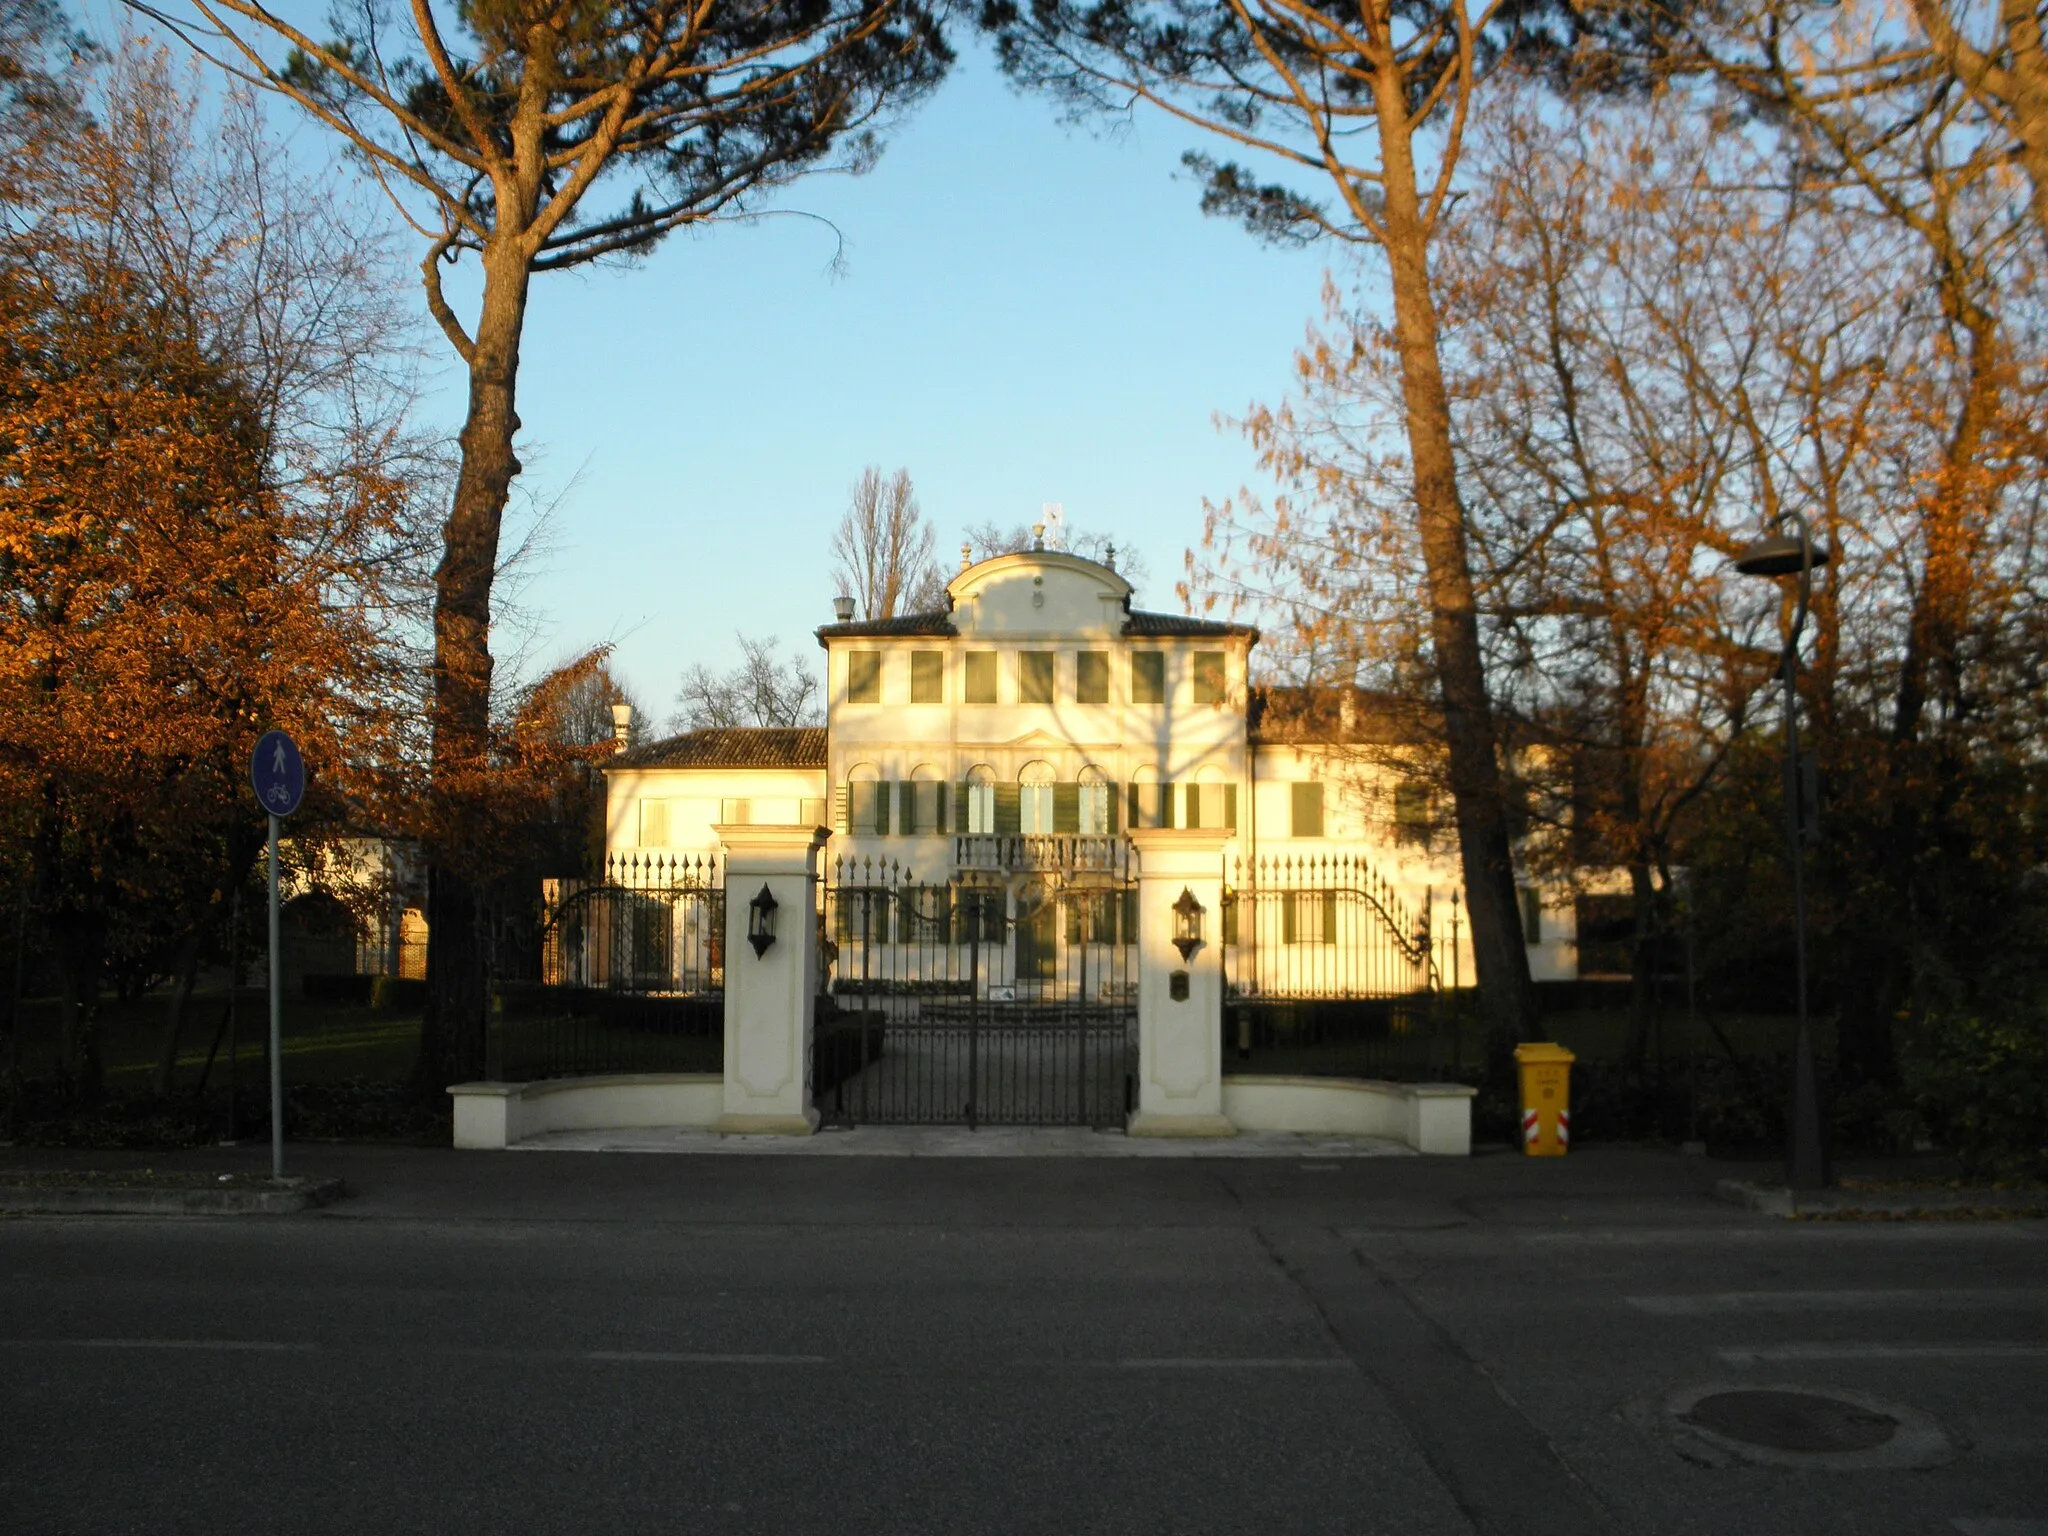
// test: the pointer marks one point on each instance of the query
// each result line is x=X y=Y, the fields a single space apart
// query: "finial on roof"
x=966 y=554
x=1109 y=556
x=1038 y=535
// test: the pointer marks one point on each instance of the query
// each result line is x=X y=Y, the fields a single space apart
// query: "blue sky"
x=1025 y=313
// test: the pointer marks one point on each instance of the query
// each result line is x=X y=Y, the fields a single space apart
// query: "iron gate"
x=1004 y=994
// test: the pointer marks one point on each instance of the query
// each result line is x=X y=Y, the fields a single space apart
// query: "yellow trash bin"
x=1546 y=1073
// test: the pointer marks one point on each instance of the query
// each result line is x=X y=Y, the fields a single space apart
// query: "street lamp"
x=1775 y=555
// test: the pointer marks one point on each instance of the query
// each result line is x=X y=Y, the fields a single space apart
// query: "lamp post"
x=1775 y=555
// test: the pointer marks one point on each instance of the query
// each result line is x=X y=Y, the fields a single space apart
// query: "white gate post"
x=1180 y=1038
x=768 y=996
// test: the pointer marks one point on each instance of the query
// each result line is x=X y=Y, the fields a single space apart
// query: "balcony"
x=1086 y=853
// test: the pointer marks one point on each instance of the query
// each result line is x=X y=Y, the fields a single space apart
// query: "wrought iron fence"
x=629 y=975
x=990 y=996
x=1328 y=972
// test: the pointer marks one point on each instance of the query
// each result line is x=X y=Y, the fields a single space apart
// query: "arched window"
x=1035 y=800
x=1095 y=802
x=1212 y=801
x=1149 y=803
x=867 y=808
x=979 y=791
x=921 y=805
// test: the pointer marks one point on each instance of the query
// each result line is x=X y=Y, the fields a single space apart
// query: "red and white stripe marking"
x=1564 y=1127
x=1529 y=1121
x=1532 y=1127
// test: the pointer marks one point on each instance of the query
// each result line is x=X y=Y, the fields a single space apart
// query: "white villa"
x=1040 y=719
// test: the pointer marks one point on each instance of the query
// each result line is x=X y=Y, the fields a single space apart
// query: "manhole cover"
x=1793 y=1421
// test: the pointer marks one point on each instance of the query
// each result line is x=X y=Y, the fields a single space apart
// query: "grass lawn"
x=323 y=1041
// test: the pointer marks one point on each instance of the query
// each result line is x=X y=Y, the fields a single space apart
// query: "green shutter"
x=1308 y=810
x=1066 y=808
x=1230 y=807
x=1116 y=809
x=1009 y=810
x=1329 y=917
x=1130 y=916
x=939 y=803
x=1167 y=797
x=1131 y=816
x=1191 y=805
x=885 y=800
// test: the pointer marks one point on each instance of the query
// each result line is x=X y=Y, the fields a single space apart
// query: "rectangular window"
x=1208 y=677
x=869 y=808
x=862 y=915
x=1093 y=810
x=980 y=800
x=1213 y=806
x=1148 y=677
x=653 y=823
x=1035 y=803
x=1091 y=677
x=1307 y=819
x=927 y=677
x=921 y=807
x=1151 y=805
x=1309 y=917
x=1411 y=812
x=1532 y=914
x=1034 y=677
x=981 y=677
x=863 y=677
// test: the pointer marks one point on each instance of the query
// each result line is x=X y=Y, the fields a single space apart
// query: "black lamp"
x=1187 y=924
x=761 y=921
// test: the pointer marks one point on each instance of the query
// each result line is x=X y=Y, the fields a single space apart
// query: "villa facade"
x=1017 y=740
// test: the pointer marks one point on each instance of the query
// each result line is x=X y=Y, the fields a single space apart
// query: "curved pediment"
x=1039 y=592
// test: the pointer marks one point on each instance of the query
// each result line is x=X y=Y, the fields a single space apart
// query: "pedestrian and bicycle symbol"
x=278 y=773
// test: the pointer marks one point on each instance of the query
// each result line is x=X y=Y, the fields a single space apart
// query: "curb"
x=82 y=1200
x=1773 y=1200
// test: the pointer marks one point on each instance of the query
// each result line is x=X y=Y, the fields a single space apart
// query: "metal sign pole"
x=276 y=1021
x=278 y=775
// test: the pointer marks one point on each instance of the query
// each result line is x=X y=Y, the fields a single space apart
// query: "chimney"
x=1347 y=711
x=622 y=727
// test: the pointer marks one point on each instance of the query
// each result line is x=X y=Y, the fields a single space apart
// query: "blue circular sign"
x=279 y=773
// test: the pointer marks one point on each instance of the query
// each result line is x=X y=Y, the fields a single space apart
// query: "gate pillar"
x=768 y=995
x=1180 y=998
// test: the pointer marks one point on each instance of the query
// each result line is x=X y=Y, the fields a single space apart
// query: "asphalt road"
x=591 y=1343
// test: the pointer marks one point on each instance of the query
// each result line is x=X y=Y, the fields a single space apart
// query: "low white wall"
x=1435 y=1118
x=494 y=1115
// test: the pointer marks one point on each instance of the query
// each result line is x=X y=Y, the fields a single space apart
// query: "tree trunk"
x=1507 y=997
x=459 y=843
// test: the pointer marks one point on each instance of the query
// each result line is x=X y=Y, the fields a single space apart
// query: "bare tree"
x=882 y=551
x=763 y=690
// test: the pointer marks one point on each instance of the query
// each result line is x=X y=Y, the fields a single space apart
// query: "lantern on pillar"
x=1187 y=924
x=761 y=920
